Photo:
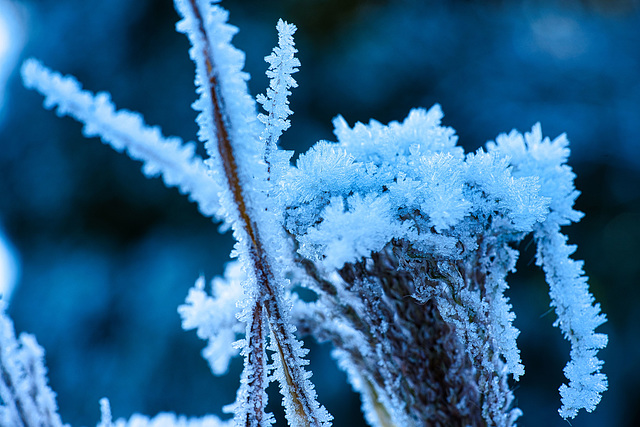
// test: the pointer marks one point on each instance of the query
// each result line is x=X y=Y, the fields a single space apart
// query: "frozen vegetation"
x=404 y=240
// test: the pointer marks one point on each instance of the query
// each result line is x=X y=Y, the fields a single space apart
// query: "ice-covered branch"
x=282 y=64
x=251 y=399
x=176 y=162
x=230 y=130
x=578 y=315
x=25 y=398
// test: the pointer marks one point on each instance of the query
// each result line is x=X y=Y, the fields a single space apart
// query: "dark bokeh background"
x=108 y=255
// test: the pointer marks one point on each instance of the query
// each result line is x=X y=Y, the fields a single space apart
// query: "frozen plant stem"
x=406 y=241
x=303 y=407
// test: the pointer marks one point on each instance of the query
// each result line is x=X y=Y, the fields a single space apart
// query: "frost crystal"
x=215 y=317
x=405 y=240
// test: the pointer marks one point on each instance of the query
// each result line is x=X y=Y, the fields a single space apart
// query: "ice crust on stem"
x=229 y=129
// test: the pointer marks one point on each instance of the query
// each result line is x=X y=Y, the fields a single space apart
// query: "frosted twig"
x=282 y=64
x=25 y=398
x=226 y=121
x=176 y=162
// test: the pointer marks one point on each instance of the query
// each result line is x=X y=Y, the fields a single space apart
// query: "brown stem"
x=256 y=359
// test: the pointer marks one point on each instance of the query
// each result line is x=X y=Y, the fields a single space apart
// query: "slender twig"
x=267 y=295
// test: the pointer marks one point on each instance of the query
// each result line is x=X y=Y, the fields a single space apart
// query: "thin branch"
x=306 y=410
x=176 y=162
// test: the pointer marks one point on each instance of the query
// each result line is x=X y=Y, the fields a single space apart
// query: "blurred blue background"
x=106 y=255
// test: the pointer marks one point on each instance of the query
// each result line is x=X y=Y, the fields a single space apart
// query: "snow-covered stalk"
x=228 y=127
x=252 y=397
x=283 y=64
x=578 y=316
x=25 y=398
x=176 y=162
